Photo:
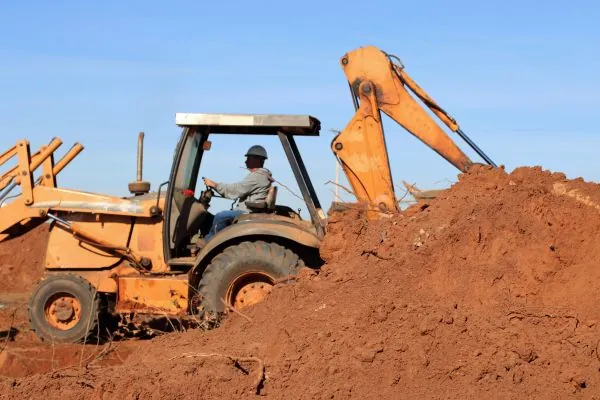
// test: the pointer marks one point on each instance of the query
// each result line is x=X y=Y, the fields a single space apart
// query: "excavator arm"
x=378 y=84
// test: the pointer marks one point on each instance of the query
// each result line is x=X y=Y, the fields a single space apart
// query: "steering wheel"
x=205 y=196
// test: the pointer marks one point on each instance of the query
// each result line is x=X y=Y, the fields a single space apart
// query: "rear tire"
x=64 y=308
x=244 y=274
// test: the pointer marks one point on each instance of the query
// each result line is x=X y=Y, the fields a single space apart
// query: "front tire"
x=64 y=308
x=244 y=274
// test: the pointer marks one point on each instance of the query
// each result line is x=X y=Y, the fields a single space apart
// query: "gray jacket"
x=254 y=187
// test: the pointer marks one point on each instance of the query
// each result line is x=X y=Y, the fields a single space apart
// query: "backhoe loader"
x=140 y=255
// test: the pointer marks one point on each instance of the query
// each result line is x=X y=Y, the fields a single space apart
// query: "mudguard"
x=263 y=227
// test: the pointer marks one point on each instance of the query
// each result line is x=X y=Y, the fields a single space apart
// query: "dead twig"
x=193 y=298
x=444 y=180
x=87 y=327
x=85 y=363
x=525 y=314
x=341 y=187
x=170 y=322
x=236 y=361
x=91 y=359
x=401 y=199
x=374 y=254
x=108 y=349
x=115 y=348
x=236 y=311
x=288 y=189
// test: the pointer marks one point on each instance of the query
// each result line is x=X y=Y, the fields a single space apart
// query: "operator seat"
x=192 y=216
x=264 y=206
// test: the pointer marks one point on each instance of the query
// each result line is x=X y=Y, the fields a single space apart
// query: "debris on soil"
x=488 y=291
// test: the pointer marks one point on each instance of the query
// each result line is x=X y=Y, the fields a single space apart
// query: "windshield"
x=185 y=176
x=188 y=164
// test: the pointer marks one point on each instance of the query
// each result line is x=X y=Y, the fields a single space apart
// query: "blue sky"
x=521 y=78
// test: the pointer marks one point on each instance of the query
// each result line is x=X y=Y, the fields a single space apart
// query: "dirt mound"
x=22 y=260
x=489 y=291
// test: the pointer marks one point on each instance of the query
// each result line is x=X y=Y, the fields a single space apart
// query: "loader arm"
x=378 y=84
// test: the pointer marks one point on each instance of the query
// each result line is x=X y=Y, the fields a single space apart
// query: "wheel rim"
x=248 y=289
x=62 y=311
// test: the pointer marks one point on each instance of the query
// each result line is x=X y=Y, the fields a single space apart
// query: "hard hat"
x=257 y=150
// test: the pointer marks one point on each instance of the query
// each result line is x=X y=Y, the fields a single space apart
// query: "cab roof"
x=253 y=124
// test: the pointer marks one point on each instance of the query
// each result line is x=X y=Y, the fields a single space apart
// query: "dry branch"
x=236 y=360
x=341 y=187
x=236 y=311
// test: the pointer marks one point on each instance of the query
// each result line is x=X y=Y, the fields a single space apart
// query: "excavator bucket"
x=421 y=195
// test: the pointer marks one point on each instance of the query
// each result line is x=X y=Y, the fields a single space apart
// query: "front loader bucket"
x=17 y=184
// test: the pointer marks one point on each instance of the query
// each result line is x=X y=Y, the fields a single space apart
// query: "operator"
x=254 y=187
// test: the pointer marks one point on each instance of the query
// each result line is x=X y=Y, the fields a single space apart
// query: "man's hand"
x=210 y=183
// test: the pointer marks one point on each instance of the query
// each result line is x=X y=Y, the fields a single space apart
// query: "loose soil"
x=21 y=266
x=22 y=261
x=489 y=291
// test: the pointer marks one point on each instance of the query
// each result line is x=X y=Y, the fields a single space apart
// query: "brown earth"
x=22 y=260
x=489 y=291
x=21 y=266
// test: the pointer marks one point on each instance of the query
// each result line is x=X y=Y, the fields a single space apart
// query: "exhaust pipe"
x=139 y=187
x=140 y=156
